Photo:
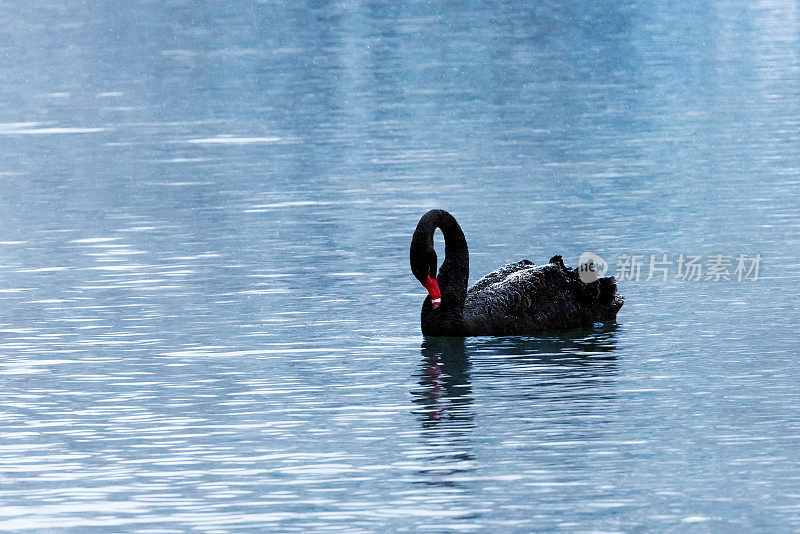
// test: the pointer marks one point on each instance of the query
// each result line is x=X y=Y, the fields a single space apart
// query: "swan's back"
x=522 y=298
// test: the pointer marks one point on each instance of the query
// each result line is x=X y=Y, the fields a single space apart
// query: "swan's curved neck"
x=454 y=272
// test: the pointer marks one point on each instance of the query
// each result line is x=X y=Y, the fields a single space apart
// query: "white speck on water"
x=230 y=140
x=23 y=128
x=94 y=240
x=694 y=519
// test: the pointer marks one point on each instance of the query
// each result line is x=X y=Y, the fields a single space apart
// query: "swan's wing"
x=520 y=290
x=498 y=276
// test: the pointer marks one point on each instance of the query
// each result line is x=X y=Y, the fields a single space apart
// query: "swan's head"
x=423 y=265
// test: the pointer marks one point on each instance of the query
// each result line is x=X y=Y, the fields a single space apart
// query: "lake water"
x=207 y=318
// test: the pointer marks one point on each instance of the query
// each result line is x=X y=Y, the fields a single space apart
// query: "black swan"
x=517 y=299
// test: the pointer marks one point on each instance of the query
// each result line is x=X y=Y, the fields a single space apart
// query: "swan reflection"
x=527 y=390
x=573 y=360
x=444 y=376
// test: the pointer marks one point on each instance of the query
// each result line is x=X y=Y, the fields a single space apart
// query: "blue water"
x=207 y=318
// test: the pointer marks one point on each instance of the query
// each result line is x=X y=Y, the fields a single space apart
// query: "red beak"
x=433 y=290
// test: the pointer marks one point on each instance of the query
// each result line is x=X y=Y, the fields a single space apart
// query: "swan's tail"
x=608 y=289
x=609 y=300
x=601 y=293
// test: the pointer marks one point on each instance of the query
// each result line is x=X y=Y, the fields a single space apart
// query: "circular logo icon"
x=591 y=267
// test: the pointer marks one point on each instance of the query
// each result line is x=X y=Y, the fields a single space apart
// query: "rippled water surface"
x=207 y=319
